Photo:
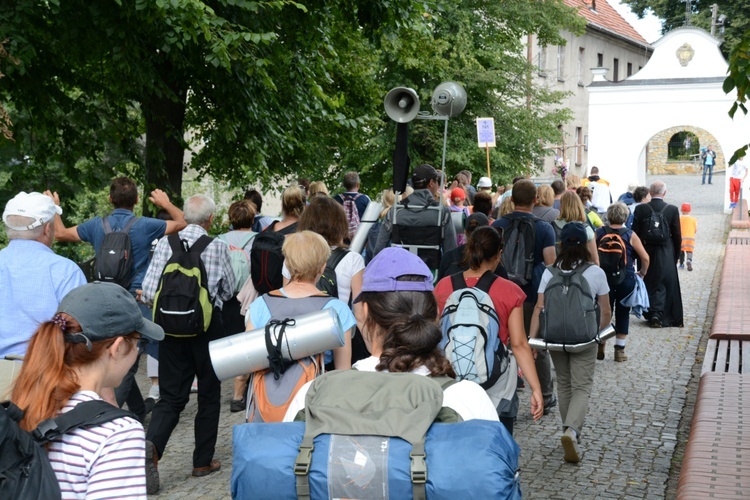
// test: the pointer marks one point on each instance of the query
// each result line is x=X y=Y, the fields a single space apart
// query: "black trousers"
x=179 y=361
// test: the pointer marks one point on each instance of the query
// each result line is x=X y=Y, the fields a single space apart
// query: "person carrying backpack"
x=524 y=256
x=505 y=318
x=271 y=390
x=571 y=209
x=88 y=345
x=609 y=241
x=570 y=292
x=189 y=261
x=354 y=202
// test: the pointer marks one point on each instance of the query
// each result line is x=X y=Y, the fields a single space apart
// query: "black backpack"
x=613 y=255
x=657 y=228
x=518 y=255
x=570 y=314
x=327 y=282
x=25 y=469
x=182 y=304
x=266 y=261
x=114 y=259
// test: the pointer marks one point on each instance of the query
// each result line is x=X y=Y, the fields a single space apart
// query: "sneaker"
x=690 y=266
x=655 y=322
x=152 y=469
x=194 y=387
x=209 y=469
x=682 y=266
x=570 y=446
x=620 y=355
x=236 y=405
x=550 y=403
x=149 y=404
x=154 y=393
x=600 y=352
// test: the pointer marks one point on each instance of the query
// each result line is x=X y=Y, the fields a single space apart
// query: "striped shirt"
x=104 y=461
x=215 y=259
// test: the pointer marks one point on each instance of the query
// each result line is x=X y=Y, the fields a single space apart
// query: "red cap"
x=458 y=193
x=685 y=208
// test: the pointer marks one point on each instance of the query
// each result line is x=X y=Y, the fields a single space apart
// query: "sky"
x=649 y=27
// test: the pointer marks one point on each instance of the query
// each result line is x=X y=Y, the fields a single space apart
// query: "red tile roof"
x=605 y=16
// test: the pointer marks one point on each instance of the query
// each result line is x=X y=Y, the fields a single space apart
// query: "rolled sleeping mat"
x=458 y=219
x=246 y=352
x=603 y=335
x=370 y=217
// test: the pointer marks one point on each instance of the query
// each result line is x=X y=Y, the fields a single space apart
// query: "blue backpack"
x=471 y=328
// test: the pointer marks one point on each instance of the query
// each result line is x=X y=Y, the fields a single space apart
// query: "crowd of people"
x=174 y=289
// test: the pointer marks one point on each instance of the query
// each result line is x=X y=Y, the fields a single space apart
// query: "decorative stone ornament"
x=685 y=54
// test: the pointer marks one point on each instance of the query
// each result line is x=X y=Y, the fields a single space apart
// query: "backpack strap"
x=200 y=244
x=126 y=229
x=176 y=244
x=486 y=281
x=84 y=414
x=337 y=256
x=457 y=281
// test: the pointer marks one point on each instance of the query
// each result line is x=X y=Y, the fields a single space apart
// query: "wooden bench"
x=717 y=457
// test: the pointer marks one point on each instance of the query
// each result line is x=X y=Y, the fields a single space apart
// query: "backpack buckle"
x=418 y=468
x=46 y=430
x=303 y=461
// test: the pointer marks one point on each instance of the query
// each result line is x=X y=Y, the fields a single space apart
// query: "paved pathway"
x=631 y=429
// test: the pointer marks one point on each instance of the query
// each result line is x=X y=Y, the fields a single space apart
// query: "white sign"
x=486 y=132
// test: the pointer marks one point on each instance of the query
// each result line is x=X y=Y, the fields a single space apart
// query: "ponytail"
x=413 y=343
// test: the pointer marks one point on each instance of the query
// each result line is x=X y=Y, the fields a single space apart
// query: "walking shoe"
x=236 y=405
x=194 y=387
x=149 y=404
x=152 y=469
x=655 y=322
x=550 y=403
x=570 y=446
x=600 y=352
x=154 y=393
x=682 y=266
x=209 y=469
x=620 y=355
x=690 y=266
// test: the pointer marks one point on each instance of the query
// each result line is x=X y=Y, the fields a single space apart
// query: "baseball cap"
x=382 y=273
x=458 y=193
x=573 y=233
x=479 y=217
x=423 y=173
x=106 y=311
x=484 y=182
x=686 y=208
x=34 y=205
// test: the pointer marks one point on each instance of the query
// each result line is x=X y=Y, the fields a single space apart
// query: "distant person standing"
x=709 y=160
x=737 y=174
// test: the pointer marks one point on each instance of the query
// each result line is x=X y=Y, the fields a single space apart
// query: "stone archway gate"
x=658 y=163
x=678 y=89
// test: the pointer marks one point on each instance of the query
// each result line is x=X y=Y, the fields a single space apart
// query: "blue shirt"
x=142 y=234
x=545 y=237
x=34 y=281
x=259 y=314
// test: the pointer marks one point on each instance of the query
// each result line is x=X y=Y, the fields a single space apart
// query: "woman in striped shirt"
x=87 y=347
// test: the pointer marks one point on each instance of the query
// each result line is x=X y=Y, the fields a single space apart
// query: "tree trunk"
x=165 y=146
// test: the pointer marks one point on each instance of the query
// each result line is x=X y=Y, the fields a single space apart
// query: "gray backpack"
x=270 y=392
x=371 y=408
x=570 y=314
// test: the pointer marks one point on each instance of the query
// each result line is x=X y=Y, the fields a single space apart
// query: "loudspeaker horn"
x=449 y=99
x=402 y=104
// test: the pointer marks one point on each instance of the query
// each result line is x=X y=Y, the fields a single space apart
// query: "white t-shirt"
x=594 y=275
x=351 y=264
x=600 y=196
x=466 y=398
x=738 y=170
x=105 y=461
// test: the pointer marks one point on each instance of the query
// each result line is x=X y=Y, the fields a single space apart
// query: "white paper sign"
x=486 y=132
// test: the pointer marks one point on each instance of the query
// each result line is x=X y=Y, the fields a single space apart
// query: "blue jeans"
x=620 y=312
x=710 y=170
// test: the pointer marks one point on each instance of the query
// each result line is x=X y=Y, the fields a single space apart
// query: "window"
x=600 y=60
x=581 y=54
x=579 y=146
x=630 y=69
x=683 y=146
x=560 y=63
x=542 y=60
x=616 y=70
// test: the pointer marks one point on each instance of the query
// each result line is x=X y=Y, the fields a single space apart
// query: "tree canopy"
x=257 y=91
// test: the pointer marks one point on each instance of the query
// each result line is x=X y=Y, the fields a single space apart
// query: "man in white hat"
x=34 y=279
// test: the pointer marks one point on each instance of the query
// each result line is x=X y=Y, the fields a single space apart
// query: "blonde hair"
x=293 y=201
x=306 y=253
x=545 y=195
x=507 y=206
x=571 y=208
x=572 y=182
x=389 y=198
x=318 y=188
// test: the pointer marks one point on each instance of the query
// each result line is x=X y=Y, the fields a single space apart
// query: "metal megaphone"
x=402 y=104
x=449 y=99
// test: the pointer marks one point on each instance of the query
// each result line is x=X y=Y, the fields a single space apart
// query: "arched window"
x=683 y=146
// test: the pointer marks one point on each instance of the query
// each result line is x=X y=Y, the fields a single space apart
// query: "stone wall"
x=657 y=151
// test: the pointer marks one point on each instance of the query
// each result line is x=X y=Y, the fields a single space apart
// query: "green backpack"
x=239 y=256
x=356 y=403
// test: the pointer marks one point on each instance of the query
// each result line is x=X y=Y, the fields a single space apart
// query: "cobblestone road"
x=632 y=425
